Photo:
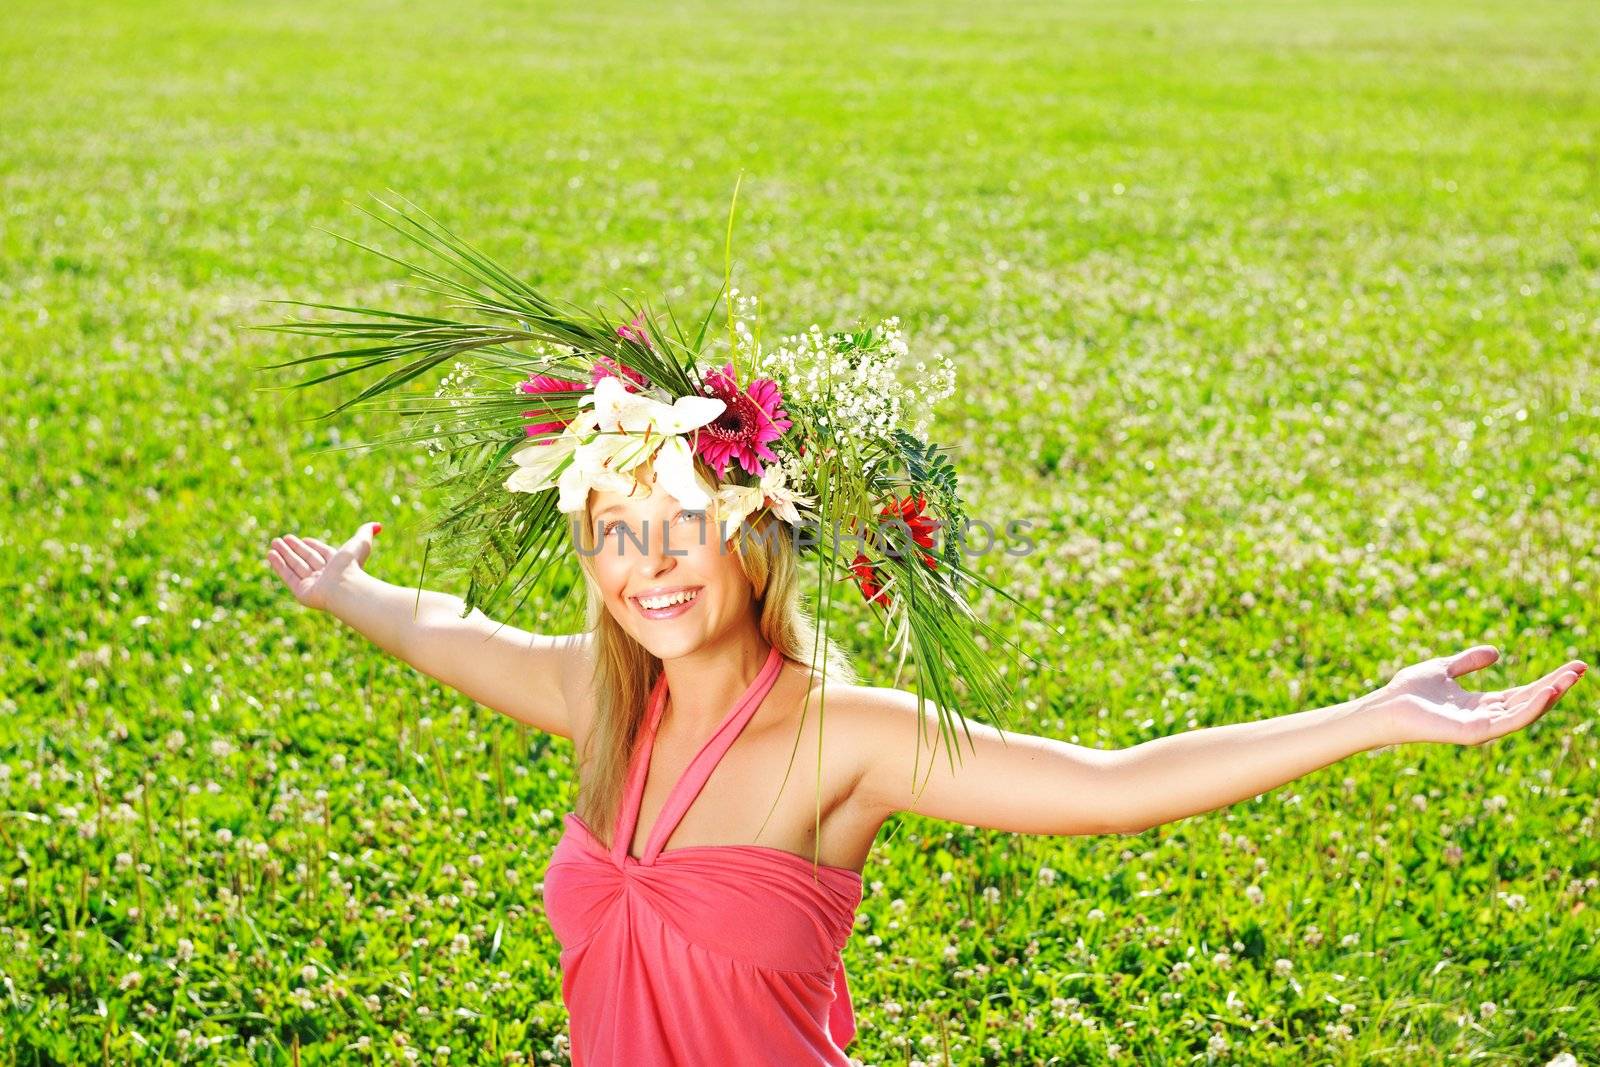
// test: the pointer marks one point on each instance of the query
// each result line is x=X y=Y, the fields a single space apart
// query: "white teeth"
x=658 y=602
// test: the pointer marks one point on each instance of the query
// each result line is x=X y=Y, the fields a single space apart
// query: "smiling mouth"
x=668 y=604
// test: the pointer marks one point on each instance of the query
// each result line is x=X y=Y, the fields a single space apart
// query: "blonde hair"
x=625 y=672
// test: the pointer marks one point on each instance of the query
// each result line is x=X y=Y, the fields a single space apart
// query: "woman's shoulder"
x=873 y=717
x=861 y=713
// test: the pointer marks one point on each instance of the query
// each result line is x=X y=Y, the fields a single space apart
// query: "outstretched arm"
x=529 y=677
x=1039 y=785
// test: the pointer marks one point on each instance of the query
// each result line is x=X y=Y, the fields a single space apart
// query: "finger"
x=1473 y=659
x=1575 y=668
x=1542 y=699
x=322 y=548
x=1560 y=680
x=306 y=553
x=365 y=532
x=279 y=565
x=1531 y=697
x=1526 y=713
x=360 y=544
x=291 y=559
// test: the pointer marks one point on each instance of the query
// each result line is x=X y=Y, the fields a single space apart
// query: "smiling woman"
x=716 y=627
x=701 y=902
x=735 y=598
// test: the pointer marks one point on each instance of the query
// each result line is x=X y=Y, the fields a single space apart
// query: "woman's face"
x=650 y=554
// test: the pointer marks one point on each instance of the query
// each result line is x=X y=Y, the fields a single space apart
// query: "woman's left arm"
x=1188 y=773
x=1038 y=785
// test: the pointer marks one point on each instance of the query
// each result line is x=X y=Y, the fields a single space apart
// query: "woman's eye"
x=608 y=526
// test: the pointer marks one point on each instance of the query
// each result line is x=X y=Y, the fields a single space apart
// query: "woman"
x=693 y=924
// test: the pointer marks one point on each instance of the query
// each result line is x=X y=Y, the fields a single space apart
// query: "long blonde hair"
x=625 y=672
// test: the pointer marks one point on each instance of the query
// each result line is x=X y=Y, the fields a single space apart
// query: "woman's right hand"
x=312 y=569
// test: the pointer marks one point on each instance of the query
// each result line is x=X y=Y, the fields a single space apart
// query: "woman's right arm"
x=531 y=678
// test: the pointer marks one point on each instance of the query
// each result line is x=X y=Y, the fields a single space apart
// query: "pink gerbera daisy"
x=607 y=367
x=634 y=331
x=753 y=417
x=544 y=383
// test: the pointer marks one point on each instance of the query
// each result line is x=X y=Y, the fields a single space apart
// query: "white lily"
x=735 y=502
x=620 y=411
x=607 y=443
x=782 y=499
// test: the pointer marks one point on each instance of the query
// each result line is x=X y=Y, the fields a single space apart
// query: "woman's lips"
x=669 y=612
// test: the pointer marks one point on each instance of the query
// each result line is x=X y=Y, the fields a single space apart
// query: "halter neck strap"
x=688 y=787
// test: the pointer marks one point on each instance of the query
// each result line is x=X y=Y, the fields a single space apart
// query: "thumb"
x=360 y=545
x=1475 y=658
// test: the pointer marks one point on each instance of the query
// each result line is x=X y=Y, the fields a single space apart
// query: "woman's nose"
x=659 y=553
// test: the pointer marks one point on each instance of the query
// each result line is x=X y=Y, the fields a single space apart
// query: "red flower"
x=923 y=527
x=867 y=579
x=909 y=511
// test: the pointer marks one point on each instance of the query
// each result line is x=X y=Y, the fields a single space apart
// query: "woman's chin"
x=669 y=645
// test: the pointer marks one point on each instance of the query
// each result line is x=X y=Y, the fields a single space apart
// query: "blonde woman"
x=705 y=885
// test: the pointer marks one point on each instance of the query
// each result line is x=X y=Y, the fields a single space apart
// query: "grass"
x=1279 y=320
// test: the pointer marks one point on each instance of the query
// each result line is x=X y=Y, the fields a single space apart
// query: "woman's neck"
x=703 y=686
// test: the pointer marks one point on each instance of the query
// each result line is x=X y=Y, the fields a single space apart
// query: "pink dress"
x=702 y=954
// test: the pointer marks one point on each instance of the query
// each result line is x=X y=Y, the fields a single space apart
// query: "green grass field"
x=1279 y=321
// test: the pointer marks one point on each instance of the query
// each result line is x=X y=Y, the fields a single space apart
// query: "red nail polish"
x=377 y=528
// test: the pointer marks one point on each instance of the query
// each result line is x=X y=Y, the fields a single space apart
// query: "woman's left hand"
x=1423 y=702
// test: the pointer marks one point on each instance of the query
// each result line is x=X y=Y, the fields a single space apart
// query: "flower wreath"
x=818 y=429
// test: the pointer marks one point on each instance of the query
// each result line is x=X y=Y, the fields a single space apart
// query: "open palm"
x=1424 y=702
x=312 y=568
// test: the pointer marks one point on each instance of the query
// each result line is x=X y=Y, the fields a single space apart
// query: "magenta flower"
x=753 y=417
x=544 y=383
x=607 y=367
x=634 y=331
